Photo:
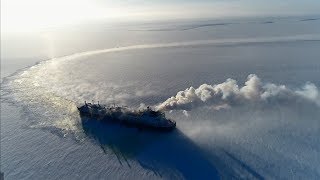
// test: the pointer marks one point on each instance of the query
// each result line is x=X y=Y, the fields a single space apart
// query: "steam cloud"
x=228 y=94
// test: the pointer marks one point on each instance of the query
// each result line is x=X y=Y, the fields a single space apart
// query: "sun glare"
x=32 y=15
x=20 y=15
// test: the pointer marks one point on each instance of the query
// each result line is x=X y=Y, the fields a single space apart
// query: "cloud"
x=228 y=94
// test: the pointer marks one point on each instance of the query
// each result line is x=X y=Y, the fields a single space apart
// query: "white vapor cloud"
x=228 y=94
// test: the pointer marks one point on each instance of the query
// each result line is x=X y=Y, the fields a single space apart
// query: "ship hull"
x=128 y=123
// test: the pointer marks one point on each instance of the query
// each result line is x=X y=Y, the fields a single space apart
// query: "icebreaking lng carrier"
x=145 y=118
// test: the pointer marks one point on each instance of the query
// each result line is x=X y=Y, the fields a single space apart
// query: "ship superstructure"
x=147 y=117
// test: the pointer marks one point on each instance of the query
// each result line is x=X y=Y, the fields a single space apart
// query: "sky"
x=19 y=15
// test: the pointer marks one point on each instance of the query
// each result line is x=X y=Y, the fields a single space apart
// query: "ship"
x=142 y=118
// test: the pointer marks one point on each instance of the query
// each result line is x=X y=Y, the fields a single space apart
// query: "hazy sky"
x=22 y=14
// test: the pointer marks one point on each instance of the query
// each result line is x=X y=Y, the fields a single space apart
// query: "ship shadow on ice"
x=161 y=153
x=122 y=140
